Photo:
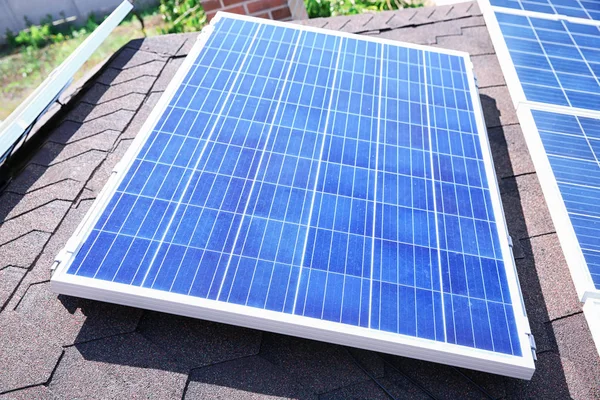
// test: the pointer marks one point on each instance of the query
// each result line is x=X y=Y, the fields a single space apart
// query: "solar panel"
x=584 y=9
x=549 y=54
x=317 y=184
x=567 y=156
x=557 y=62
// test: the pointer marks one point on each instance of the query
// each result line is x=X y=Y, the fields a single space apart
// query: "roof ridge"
x=406 y=17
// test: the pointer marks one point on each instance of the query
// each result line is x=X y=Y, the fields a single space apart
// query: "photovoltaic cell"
x=557 y=62
x=586 y=9
x=572 y=145
x=318 y=176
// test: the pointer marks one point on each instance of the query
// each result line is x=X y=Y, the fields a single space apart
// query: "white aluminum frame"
x=38 y=101
x=429 y=350
x=580 y=274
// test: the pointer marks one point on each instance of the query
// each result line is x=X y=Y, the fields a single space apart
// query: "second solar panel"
x=557 y=62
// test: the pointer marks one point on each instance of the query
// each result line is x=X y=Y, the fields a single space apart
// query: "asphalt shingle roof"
x=64 y=347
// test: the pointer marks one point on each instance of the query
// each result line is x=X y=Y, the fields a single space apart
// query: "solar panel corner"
x=516 y=366
x=591 y=310
x=503 y=55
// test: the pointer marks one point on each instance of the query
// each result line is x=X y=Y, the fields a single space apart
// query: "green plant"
x=327 y=8
x=35 y=36
x=182 y=15
x=318 y=8
x=91 y=24
x=10 y=38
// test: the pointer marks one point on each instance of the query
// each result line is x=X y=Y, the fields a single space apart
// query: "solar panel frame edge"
x=509 y=261
x=572 y=251
x=428 y=350
x=367 y=38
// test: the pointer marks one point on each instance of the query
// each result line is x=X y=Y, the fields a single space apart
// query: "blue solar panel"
x=572 y=145
x=557 y=62
x=321 y=176
x=586 y=9
x=555 y=80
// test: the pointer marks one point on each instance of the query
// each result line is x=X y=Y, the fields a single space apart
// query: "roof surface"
x=64 y=347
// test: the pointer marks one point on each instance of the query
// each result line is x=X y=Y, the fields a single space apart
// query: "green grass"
x=22 y=70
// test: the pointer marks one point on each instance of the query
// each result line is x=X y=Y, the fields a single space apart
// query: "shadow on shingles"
x=187 y=345
x=215 y=356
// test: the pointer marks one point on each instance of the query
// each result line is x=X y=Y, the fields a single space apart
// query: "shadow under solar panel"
x=315 y=184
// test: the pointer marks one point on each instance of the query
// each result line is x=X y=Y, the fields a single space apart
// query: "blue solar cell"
x=573 y=147
x=321 y=176
x=586 y=9
x=555 y=61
